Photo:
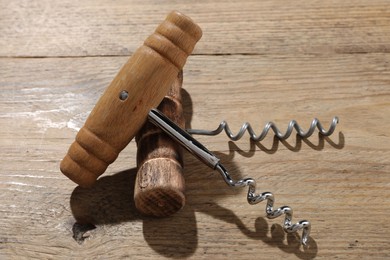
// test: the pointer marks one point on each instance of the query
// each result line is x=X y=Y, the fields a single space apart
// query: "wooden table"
x=258 y=61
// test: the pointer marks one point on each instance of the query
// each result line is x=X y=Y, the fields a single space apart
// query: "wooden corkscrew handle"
x=121 y=111
x=159 y=186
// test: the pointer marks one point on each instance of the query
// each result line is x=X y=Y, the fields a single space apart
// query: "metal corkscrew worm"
x=203 y=154
x=315 y=123
x=254 y=198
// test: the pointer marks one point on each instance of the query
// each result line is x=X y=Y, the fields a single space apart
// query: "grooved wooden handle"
x=159 y=186
x=121 y=111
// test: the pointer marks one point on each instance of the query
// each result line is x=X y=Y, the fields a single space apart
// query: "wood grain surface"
x=258 y=61
x=159 y=188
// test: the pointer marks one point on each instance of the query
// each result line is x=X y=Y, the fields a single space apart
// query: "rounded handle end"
x=159 y=189
x=87 y=158
x=77 y=173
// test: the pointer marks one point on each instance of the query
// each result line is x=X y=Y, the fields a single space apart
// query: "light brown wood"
x=97 y=28
x=159 y=186
x=302 y=59
x=121 y=111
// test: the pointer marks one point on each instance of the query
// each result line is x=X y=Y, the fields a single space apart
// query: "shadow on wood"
x=234 y=148
x=175 y=236
x=277 y=238
x=111 y=201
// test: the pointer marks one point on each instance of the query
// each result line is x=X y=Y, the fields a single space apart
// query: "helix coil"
x=270 y=125
x=254 y=198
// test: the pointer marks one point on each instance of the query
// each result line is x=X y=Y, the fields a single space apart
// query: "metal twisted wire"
x=204 y=155
x=270 y=125
x=254 y=198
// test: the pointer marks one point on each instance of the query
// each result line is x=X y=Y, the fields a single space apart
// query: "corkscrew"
x=123 y=109
x=203 y=154
x=224 y=126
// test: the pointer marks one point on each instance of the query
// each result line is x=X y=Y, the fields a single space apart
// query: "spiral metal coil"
x=203 y=154
x=270 y=125
x=254 y=198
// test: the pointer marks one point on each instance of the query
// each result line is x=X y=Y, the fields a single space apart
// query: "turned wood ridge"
x=121 y=111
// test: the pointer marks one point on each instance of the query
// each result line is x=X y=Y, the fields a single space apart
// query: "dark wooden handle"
x=140 y=85
x=159 y=186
